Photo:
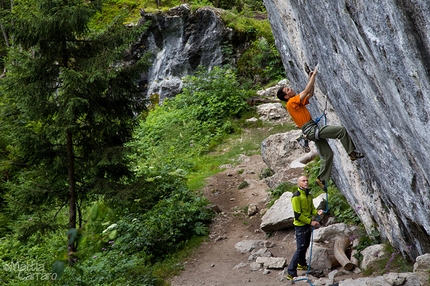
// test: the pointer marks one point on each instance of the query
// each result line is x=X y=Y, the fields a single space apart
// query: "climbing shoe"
x=289 y=277
x=355 y=155
x=302 y=267
x=322 y=184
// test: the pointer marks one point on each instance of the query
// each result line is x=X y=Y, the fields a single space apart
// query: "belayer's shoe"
x=302 y=267
x=322 y=184
x=355 y=155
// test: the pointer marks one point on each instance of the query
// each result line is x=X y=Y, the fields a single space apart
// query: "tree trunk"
x=6 y=39
x=72 y=195
x=340 y=245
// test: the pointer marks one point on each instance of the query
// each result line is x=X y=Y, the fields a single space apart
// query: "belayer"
x=296 y=106
x=304 y=209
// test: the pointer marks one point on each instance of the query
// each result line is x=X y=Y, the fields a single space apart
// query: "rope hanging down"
x=310 y=249
x=323 y=116
x=323 y=119
x=310 y=261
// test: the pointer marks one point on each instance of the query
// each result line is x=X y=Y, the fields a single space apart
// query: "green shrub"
x=261 y=62
x=154 y=183
x=279 y=190
x=338 y=206
x=265 y=173
x=163 y=229
x=243 y=185
x=193 y=122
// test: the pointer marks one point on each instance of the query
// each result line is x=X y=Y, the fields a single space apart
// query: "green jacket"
x=303 y=207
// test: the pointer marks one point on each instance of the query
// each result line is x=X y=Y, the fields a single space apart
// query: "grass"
x=242 y=24
x=394 y=263
x=247 y=142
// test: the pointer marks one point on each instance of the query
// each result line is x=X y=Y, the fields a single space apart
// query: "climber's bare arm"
x=309 y=89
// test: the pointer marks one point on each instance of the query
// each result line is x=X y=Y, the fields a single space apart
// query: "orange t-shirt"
x=298 y=110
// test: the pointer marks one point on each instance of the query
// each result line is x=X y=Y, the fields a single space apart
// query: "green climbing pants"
x=324 y=150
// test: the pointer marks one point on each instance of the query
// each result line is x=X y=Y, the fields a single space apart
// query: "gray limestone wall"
x=180 y=41
x=374 y=73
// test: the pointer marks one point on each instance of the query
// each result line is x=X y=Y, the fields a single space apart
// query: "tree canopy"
x=70 y=102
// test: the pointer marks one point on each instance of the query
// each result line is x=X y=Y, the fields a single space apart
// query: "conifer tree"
x=5 y=8
x=72 y=100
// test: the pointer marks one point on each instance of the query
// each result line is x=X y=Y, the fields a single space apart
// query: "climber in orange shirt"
x=296 y=106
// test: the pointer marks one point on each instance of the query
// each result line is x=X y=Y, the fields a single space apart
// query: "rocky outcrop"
x=374 y=73
x=281 y=214
x=281 y=152
x=180 y=41
x=323 y=262
x=273 y=112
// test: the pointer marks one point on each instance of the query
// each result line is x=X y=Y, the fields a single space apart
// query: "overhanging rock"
x=374 y=73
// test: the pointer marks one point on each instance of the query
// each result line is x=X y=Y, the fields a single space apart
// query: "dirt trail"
x=213 y=263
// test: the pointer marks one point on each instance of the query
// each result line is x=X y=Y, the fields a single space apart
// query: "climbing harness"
x=323 y=116
x=321 y=120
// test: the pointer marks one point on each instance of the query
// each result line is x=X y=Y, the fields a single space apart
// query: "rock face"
x=374 y=72
x=180 y=41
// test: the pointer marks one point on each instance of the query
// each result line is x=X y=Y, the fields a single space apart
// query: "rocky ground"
x=217 y=262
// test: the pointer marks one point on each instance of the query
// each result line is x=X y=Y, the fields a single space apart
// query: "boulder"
x=372 y=254
x=280 y=215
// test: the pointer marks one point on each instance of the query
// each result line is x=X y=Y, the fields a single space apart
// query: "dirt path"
x=215 y=260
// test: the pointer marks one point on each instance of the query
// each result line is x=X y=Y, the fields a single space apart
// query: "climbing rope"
x=310 y=261
x=323 y=116
x=326 y=202
x=312 y=242
x=310 y=249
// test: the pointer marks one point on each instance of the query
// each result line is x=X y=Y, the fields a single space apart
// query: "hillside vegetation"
x=100 y=186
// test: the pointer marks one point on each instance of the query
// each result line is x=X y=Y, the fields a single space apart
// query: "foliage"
x=261 y=62
x=161 y=230
x=266 y=173
x=67 y=75
x=243 y=185
x=34 y=258
x=193 y=122
x=154 y=183
x=279 y=190
x=368 y=239
x=111 y=8
x=396 y=262
x=69 y=105
x=249 y=28
x=239 y=5
x=337 y=203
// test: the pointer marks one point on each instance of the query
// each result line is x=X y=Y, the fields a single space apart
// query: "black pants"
x=303 y=240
